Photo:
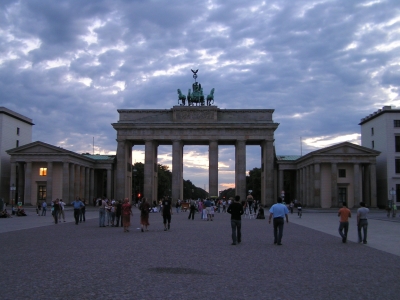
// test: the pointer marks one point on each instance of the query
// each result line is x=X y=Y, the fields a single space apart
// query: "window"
x=342 y=173
x=42 y=192
x=373 y=145
x=17 y=130
x=397 y=192
x=342 y=194
x=397 y=143
x=17 y=143
x=372 y=130
x=43 y=172
x=396 y=123
x=397 y=166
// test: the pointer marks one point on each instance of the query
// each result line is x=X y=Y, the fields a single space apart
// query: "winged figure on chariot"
x=195 y=95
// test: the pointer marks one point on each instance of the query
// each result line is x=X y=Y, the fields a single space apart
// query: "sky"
x=321 y=65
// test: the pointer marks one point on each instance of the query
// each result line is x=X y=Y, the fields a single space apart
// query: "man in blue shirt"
x=78 y=204
x=278 y=211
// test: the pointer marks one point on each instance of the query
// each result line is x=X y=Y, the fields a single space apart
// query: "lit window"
x=43 y=172
x=342 y=173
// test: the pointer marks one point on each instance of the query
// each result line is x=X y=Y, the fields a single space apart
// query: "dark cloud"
x=70 y=64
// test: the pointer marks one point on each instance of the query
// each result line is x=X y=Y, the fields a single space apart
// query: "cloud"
x=322 y=65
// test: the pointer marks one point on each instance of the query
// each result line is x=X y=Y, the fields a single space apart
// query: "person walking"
x=278 y=211
x=102 y=212
x=56 y=209
x=166 y=213
x=126 y=214
x=77 y=204
x=192 y=209
x=344 y=214
x=44 y=208
x=62 y=208
x=82 y=215
x=118 y=213
x=362 y=222
x=236 y=211
x=144 y=214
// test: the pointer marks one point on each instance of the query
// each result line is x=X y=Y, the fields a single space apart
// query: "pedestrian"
x=144 y=214
x=126 y=214
x=102 y=212
x=62 y=208
x=192 y=209
x=362 y=222
x=207 y=205
x=44 y=208
x=38 y=208
x=344 y=214
x=278 y=211
x=118 y=212
x=55 y=210
x=77 y=204
x=82 y=215
x=166 y=213
x=178 y=206
x=236 y=211
x=291 y=205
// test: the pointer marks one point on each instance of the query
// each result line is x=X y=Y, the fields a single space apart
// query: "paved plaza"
x=195 y=259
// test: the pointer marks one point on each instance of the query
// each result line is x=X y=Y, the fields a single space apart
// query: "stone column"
x=213 y=168
x=21 y=180
x=366 y=185
x=240 y=169
x=49 y=182
x=109 y=182
x=334 y=192
x=373 y=184
x=65 y=182
x=87 y=185
x=71 y=184
x=82 y=182
x=150 y=171
x=307 y=186
x=28 y=184
x=77 y=181
x=357 y=185
x=267 y=172
x=177 y=170
x=280 y=182
x=317 y=185
x=91 y=189
x=124 y=170
x=296 y=195
x=13 y=181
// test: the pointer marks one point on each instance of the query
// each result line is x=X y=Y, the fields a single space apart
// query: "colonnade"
x=65 y=180
x=124 y=171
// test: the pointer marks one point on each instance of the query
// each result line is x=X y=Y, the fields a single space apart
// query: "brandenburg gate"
x=194 y=125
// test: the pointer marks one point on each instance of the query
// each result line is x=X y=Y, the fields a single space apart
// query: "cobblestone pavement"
x=194 y=260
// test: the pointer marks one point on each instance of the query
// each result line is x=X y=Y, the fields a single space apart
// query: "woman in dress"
x=144 y=214
x=126 y=215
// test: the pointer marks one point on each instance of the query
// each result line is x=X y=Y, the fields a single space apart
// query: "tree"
x=253 y=182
